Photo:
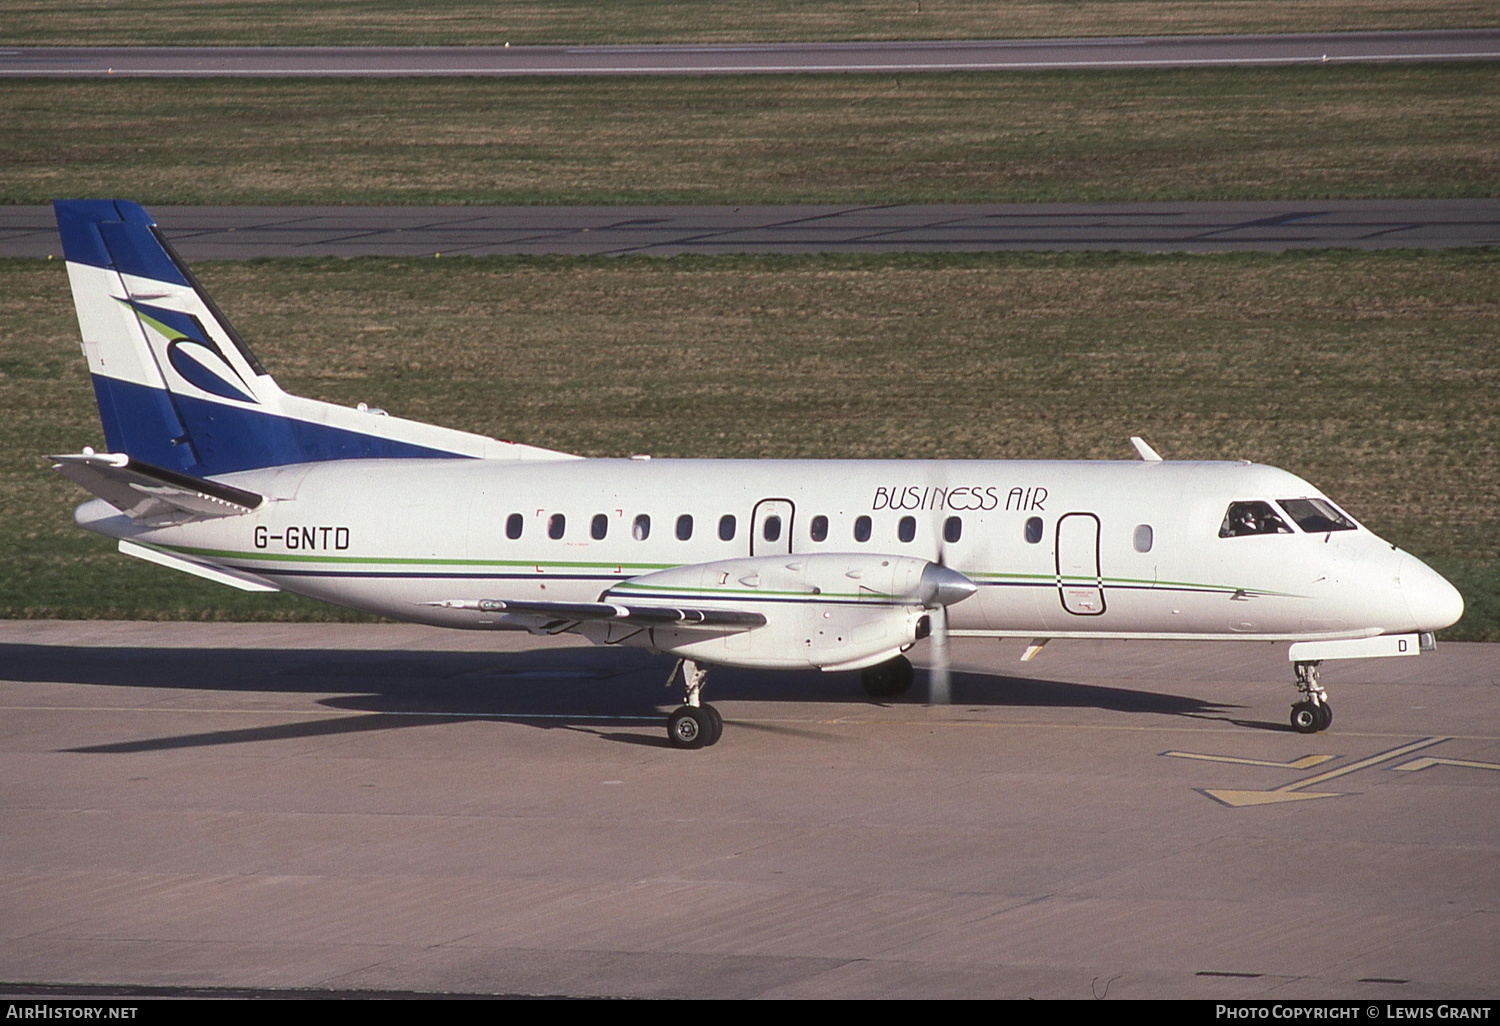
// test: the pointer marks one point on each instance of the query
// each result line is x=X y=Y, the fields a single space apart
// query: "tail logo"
x=193 y=354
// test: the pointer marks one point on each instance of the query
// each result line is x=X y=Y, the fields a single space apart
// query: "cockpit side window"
x=1244 y=518
x=1316 y=515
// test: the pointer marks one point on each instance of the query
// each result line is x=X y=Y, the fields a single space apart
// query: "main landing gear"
x=888 y=679
x=694 y=725
x=1313 y=713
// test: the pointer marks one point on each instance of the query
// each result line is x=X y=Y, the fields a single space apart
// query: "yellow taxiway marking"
x=1293 y=792
x=1423 y=763
x=1306 y=762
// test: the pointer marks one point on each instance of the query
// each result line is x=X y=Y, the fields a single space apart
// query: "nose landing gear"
x=1312 y=714
x=694 y=725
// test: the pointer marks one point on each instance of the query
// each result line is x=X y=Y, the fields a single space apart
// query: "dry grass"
x=465 y=22
x=1348 y=131
x=1372 y=374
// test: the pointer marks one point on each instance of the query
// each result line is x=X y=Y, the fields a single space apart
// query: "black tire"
x=1325 y=716
x=1306 y=719
x=888 y=679
x=715 y=725
x=688 y=728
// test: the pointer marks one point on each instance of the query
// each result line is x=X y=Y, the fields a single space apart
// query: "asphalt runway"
x=356 y=808
x=242 y=233
x=768 y=58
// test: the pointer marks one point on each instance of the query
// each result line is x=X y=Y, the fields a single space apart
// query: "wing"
x=562 y=616
x=833 y=597
x=141 y=490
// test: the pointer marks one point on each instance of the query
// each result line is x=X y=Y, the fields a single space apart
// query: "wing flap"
x=141 y=490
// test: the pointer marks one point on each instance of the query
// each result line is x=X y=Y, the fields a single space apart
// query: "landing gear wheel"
x=690 y=727
x=1312 y=713
x=696 y=724
x=716 y=724
x=888 y=679
x=1306 y=719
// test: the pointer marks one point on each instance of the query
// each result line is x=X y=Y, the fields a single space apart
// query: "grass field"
x=1374 y=375
x=1344 y=131
x=466 y=22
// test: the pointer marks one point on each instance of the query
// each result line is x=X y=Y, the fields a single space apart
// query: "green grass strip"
x=1351 y=131
x=472 y=22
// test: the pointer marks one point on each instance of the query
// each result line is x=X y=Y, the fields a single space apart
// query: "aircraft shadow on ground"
x=575 y=688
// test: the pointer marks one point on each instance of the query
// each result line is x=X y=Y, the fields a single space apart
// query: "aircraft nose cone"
x=1432 y=601
x=943 y=587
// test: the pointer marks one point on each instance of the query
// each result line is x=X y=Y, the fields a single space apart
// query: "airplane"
x=211 y=469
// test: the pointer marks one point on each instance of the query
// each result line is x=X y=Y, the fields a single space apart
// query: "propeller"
x=940 y=677
x=942 y=587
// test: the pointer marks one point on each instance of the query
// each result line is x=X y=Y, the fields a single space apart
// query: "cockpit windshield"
x=1251 y=518
x=1315 y=515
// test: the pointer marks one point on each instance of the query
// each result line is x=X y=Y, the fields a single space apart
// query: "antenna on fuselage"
x=1145 y=451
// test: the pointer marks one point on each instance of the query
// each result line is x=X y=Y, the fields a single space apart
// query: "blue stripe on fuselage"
x=221 y=438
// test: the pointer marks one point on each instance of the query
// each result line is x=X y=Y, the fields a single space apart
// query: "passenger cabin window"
x=599 y=527
x=771 y=529
x=513 y=525
x=684 y=527
x=862 y=529
x=1034 y=530
x=819 y=529
x=556 y=525
x=1143 y=538
x=727 y=526
x=1244 y=518
x=953 y=529
x=641 y=529
x=1316 y=516
x=906 y=528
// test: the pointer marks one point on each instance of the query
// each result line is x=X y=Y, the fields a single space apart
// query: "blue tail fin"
x=176 y=385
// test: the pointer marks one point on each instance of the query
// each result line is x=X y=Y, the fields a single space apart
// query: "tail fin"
x=178 y=388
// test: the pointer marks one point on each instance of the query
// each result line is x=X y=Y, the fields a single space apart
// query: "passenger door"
x=1079 y=583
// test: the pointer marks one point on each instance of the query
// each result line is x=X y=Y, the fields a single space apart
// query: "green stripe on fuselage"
x=636 y=569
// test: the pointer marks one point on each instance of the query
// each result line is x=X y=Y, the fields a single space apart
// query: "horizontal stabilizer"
x=634 y=614
x=141 y=490
x=244 y=582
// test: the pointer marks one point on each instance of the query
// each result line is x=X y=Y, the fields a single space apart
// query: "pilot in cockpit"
x=1251 y=518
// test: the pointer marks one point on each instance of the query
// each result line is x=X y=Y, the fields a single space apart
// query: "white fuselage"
x=1058 y=549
